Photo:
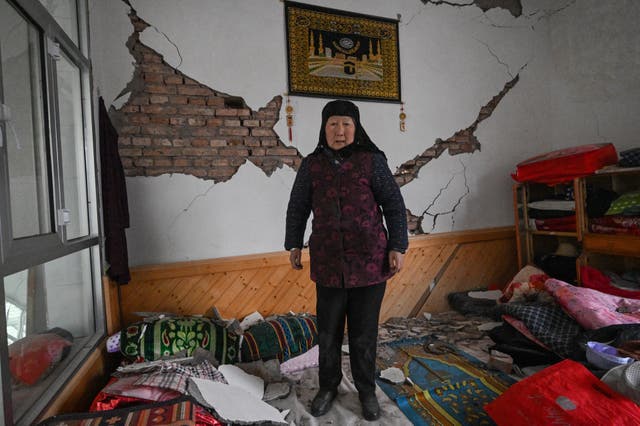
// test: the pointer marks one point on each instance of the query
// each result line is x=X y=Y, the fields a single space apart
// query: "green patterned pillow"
x=628 y=202
x=149 y=341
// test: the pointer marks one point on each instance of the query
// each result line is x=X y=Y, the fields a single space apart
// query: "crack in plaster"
x=435 y=216
x=186 y=209
x=546 y=13
x=492 y=53
x=163 y=34
x=512 y=6
x=463 y=141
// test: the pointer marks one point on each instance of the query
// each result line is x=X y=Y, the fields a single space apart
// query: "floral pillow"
x=162 y=337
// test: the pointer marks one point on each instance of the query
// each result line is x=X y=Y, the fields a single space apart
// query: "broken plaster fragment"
x=393 y=375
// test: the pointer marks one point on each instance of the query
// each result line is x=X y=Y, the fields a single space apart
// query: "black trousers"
x=361 y=308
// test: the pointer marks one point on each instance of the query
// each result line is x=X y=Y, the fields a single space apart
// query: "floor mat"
x=449 y=388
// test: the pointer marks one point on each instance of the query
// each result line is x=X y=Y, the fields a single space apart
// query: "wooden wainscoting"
x=435 y=265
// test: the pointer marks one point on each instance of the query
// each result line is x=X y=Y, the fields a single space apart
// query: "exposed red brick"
x=173 y=79
x=160 y=88
x=179 y=99
x=218 y=142
x=149 y=57
x=215 y=101
x=151 y=77
x=215 y=122
x=164 y=152
x=260 y=131
x=182 y=162
x=234 y=131
x=143 y=162
x=193 y=90
x=140 y=141
x=198 y=143
x=130 y=152
x=226 y=112
x=158 y=99
x=196 y=110
x=174 y=124
x=158 y=109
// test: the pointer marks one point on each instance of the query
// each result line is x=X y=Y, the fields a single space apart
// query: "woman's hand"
x=295 y=256
x=396 y=259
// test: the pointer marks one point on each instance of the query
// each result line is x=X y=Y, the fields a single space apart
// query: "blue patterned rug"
x=445 y=389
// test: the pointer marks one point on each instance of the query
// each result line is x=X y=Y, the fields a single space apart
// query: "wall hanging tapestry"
x=449 y=387
x=337 y=54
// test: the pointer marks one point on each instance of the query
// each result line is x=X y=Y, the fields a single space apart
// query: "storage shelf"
x=554 y=233
x=622 y=245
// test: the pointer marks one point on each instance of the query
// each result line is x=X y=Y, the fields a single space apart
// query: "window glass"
x=65 y=12
x=56 y=299
x=72 y=140
x=21 y=94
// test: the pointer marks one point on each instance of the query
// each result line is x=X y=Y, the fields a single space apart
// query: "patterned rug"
x=177 y=412
x=446 y=388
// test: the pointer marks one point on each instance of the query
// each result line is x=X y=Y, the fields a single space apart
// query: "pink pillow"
x=33 y=357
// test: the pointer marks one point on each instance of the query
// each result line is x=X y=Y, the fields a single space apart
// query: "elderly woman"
x=347 y=184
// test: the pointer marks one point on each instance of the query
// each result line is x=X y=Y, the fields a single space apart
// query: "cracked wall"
x=174 y=124
x=473 y=108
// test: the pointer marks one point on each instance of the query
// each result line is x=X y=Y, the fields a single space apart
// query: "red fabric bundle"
x=565 y=164
x=596 y=280
x=564 y=394
x=567 y=224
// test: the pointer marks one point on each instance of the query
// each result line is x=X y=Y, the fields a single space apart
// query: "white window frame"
x=23 y=253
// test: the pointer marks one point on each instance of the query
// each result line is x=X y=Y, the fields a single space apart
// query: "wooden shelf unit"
x=617 y=252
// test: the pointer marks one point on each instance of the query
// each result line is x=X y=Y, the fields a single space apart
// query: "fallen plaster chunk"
x=393 y=375
x=251 y=319
x=233 y=404
x=426 y=315
x=247 y=382
x=489 y=326
x=345 y=349
x=489 y=295
x=276 y=391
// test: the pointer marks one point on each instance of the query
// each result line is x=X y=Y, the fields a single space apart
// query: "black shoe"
x=322 y=402
x=370 y=407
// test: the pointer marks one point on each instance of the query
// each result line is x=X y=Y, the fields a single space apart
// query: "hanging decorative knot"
x=402 y=116
x=289 y=113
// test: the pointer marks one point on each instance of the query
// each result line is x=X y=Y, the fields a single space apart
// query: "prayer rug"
x=177 y=412
x=446 y=388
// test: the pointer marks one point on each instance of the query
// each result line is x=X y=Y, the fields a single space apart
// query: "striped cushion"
x=283 y=337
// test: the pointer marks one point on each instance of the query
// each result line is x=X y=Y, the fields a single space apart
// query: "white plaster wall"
x=453 y=61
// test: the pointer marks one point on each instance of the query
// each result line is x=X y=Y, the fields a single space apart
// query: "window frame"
x=22 y=253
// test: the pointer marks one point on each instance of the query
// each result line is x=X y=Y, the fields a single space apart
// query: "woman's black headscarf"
x=361 y=141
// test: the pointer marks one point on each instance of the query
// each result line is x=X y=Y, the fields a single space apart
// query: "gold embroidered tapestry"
x=337 y=54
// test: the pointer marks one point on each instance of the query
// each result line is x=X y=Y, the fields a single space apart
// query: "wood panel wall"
x=435 y=265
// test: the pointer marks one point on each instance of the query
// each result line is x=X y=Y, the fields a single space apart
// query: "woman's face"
x=340 y=131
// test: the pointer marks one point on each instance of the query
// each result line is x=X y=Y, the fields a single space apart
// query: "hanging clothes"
x=115 y=207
